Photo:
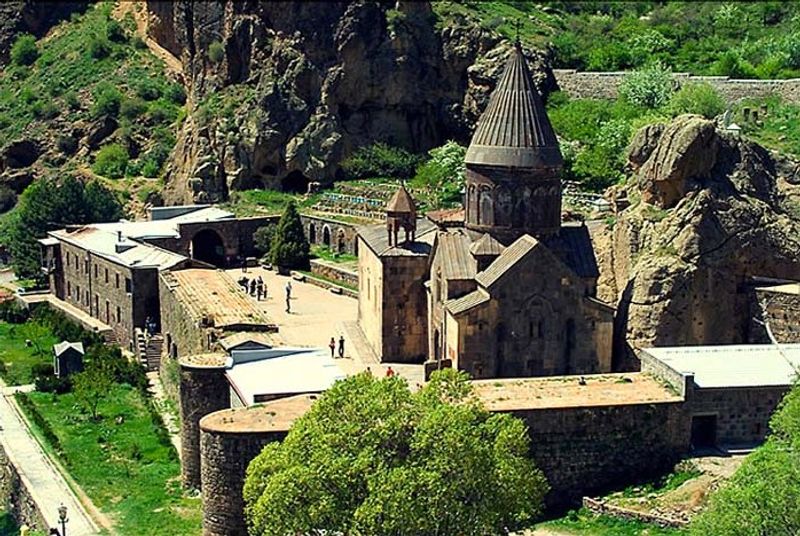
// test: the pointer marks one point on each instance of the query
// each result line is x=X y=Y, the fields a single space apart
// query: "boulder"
x=99 y=130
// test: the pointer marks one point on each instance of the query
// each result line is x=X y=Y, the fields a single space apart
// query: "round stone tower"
x=203 y=390
x=514 y=162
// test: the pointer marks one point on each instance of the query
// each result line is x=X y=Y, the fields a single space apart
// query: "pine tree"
x=289 y=245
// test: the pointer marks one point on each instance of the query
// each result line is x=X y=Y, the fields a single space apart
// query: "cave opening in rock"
x=295 y=182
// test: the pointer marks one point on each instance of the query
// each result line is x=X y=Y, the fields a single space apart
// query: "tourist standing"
x=332 y=345
x=252 y=287
x=341 y=346
x=259 y=289
x=389 y=372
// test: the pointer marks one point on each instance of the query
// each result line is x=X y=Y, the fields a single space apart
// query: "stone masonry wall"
x=203 y=390
x=404 y=309
x=586 y=451
x=225 y=457
x=742 y=414
x=15 y=498
x=605 y=85
x=338 y=236
x=182 y=335
x=333 y=272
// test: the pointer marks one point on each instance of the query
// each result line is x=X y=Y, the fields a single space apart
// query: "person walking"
x=259 y=289
x=252 y=287
x=332 y=345
x=341 y=346
x=288 y=296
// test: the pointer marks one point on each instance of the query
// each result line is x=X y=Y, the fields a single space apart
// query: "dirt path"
x=139 y=11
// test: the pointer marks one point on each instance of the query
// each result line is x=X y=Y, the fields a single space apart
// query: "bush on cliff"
x=371 y=457
x=381 y=160
x=289 y=246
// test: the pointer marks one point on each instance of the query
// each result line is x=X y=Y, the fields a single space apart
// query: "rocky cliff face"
x=710 y=212
x=282 y=92
x=27 y=16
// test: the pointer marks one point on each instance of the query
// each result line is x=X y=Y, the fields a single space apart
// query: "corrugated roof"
x=402 y=201
x=511 y=256
x=514 y=130
x=466 y=302
x=486 y=246
x=452 y=251
x=749 y=365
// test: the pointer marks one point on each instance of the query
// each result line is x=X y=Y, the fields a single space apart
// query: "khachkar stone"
x=514 y=162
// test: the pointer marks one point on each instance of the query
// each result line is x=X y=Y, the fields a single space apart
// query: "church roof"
x=377 y=239
x=453 y=249
x=573 y=246
x=467 y=302
x=486 y=245
x=514 y=130
x=401 y=201
x=511 y=256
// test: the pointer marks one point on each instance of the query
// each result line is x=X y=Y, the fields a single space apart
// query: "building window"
x=119 y=314
x=108 y=312
x=106 y=276
x=541 y=329
x=77 y=293
x=116 y=280
x=86 y=299
x=67 y=258
x=69 y=289
x=128 y=285
x=86 y=267
x=95 y=270
x=97 y=306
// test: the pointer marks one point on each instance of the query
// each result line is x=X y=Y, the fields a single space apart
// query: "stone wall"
x=338 y=236
x=589 y=450
x=183 y=336
x=781 y=310
x=203 y=390
x=605 y=85
x=742 y=415
x=225 y=460
x=370 y=304
x=404 y=336
x=333 y=272
x=15 y=498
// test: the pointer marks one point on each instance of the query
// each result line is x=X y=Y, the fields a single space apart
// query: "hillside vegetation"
x=738 y=39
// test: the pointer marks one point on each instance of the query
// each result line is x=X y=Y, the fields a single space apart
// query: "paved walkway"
x=42 y=479
x=317 y=315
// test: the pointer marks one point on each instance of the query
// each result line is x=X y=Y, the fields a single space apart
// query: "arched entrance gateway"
x=208 y=246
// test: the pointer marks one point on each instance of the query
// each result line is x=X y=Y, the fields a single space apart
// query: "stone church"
x=505 y=289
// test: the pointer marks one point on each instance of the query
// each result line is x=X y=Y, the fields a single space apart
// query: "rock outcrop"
x=28 y=16
x=281 y=93
x=681 y=266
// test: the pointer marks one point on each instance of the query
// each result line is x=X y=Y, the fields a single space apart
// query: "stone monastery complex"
x=502 y=290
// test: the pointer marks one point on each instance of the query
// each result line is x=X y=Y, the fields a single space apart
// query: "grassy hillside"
x=86 y=69
x=740 y=39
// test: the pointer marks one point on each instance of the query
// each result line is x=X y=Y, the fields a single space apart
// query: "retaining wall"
x=16 y=500
x=336 y=273
x=605 y=85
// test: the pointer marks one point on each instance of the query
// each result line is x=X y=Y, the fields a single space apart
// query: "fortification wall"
x=203 y=390
x=605 y=85
x=588 y=450
x=226 y=456
x=15 y=497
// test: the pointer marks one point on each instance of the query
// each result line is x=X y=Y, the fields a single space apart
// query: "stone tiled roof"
x=466 y=302
x=486 y=245
x=452 y=250
x=511 y=256
x=401 y=201
x=377 y=240
x=274 y=416
x=573 y=246
x=514 y=130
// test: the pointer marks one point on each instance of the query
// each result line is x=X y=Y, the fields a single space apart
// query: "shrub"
x=289 y=247
x=649 y=87
x=162 y=112
x=13 y=313
x=111 y=161
x=132 y=108
x=45 y=110
x=701 y=99
x=46 y=381
x=8 y=198
x=263 y=238
x=24 y=50
x=443 y=175
x=176 y=94
x=216 y=52
x=40 y=422
x=67 y=144
x=71 y=100
x=138 y=43
x=107 y=100
x=381 y=160
x=148 y=90
x=99 y=48
x=115 y=32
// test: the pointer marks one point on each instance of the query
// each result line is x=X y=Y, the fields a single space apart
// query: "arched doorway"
x=312 y=233
x=326 y=236
x=207 y=246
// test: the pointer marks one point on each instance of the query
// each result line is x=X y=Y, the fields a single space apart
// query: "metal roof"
x=63 y=346
x=514 y=130
x=752 y=365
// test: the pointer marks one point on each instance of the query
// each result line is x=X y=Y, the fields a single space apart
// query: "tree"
x=92 y=386
x=370 y=457
x=263 y=238
x=24 y=51
x=442 y=177
x=107 y=100
x=35 y=333
x=289 y=246
x=216 y=52
x=649 y=87
x=101 y=203
x=111 y=161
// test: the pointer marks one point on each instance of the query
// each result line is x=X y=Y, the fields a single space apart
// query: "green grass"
x=587 y=524
x=124 y=468
x=777 y=129
x=17 y=358
x=326 y=254
x=8 y=527
x=253 y=202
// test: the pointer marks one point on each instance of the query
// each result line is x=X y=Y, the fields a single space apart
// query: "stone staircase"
x=148 y=349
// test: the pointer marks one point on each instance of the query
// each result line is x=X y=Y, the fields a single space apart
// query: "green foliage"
x=216 y=52
x=46 y=205
x=24 y=50
x=585 y=522
x=111 y=161
x=176 y=94
x=762 y=496
x=263 y=238
x=8 y=198
x=380 y=160
x=92 y=386
x=115 y=32
x=16 y=355
x=289 y=247
x=370 y=457
x=132 y=108
x=701 y=99
x=649 y=87
x=442 y=176
x=99 y=48
x=40 y=422
x=107 y=100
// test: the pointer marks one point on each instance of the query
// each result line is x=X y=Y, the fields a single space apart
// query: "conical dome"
x=514 y=130
x=402 y=202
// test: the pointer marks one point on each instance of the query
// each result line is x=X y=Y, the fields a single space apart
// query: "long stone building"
x=508 y=292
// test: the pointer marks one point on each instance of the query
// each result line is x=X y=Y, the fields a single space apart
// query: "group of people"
x=255 y=287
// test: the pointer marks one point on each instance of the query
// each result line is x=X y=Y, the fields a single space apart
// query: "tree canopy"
x=763 y=495
x=289 y=245
x=371 y=457
x=49 y=204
